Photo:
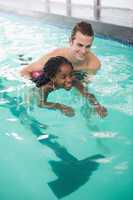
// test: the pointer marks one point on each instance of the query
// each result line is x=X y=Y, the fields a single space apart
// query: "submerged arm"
x=42 y=98
x=91 y=98
x=43 y=103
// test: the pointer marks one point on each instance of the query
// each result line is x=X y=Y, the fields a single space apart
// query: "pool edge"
x=105 y=30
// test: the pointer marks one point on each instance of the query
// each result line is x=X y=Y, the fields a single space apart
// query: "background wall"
x=40 y=3
x=113 y=3
x=122 y=9
x=118 y=3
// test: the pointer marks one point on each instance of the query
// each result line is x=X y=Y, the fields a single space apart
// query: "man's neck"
x=74 y=61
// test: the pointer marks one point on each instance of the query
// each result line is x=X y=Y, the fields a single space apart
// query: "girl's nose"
x=69 y=79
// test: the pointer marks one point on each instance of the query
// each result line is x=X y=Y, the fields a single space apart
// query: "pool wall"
x=120 y=33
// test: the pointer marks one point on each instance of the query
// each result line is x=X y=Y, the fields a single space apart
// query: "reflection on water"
x=71 y=173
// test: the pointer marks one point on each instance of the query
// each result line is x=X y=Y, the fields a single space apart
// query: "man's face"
x=80 y=46
x=64 y=77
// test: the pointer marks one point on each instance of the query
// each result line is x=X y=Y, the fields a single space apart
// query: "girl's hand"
x=68 y=111
x=102 y=111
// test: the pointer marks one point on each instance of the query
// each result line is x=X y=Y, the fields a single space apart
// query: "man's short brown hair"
x=83 y=27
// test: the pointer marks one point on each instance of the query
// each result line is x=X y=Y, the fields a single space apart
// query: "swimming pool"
x=85 y=157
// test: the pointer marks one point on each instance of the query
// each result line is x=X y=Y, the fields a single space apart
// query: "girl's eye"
x=72 y=74
x=63 y=77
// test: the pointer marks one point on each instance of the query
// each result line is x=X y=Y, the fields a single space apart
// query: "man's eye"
x=88 y=46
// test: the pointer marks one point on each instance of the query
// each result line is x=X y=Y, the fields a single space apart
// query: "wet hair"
x=51 y=68
x=83 y=27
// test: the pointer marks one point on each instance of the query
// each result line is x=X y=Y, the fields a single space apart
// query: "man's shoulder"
x=93 y=61
x=58 y=52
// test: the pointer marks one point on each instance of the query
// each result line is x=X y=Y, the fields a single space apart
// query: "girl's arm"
x=43 y=103
x=92 y=99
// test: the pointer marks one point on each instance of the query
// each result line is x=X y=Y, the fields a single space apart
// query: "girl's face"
x=64 y=77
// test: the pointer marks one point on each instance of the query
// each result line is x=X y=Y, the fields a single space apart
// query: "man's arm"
x=39 y=64
x=35 y=66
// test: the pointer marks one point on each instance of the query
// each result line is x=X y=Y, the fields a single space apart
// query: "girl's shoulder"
x=47 y=87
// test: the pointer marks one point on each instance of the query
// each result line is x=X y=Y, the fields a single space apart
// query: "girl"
x=58 y=73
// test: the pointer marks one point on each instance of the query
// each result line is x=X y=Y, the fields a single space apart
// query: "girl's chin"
x=68 y=87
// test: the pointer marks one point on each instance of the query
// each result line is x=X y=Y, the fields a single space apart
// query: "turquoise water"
x=85 y=157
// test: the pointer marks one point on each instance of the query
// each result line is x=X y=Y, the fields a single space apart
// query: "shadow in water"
x=16 y=107
x=87 y=112
x=71 y=172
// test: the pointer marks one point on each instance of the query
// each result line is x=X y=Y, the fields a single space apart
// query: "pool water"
x=84 y=157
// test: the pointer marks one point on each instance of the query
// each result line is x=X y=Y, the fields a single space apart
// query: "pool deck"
x=117 y=28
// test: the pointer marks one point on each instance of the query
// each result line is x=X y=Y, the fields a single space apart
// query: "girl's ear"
x=53 y=83
x=53 y=79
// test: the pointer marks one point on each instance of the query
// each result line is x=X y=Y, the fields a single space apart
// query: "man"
x=78 y=52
